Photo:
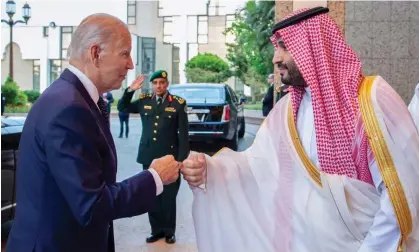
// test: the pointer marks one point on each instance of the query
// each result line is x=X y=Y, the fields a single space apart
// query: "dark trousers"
x=111 y=241
x=163 y=217
x=124 y=119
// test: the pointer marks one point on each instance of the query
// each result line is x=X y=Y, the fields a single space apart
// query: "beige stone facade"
x=22 y=69
x=217 y=41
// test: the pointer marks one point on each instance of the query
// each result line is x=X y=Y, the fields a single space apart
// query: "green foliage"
x=32 y=95
x=10 y=89
x=251 y=53
x=253 y=106
x=208 y=68
x=17 y=109
x=21 y=99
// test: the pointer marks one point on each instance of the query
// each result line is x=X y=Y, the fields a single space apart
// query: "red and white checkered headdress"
x=333 y=72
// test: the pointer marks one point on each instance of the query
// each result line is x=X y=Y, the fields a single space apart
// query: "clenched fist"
x=193 y=168
x=167 y=168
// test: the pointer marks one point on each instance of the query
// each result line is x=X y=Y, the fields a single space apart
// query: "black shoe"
x=154 y=237
x=171 y=239
x=120 y=136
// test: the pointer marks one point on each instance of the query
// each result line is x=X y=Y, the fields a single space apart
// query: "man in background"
x=108 y=98
x=268 y=100
x=3 y=103
x=123 y=120
x=165 y=132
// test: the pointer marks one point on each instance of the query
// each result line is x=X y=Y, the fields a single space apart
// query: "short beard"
x=294 y=78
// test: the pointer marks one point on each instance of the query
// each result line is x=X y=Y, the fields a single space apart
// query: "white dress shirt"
x=384 y=234
x=162 y=98
x=94 y=94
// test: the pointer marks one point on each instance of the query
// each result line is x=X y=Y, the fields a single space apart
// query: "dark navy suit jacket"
x=67 y=193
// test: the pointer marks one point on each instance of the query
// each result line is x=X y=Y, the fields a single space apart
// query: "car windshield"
x=200 y=94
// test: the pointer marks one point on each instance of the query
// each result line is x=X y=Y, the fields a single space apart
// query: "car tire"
x=242 y=128
x=5 y=230
x=234 y=142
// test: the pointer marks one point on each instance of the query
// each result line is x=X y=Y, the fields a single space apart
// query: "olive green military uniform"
x=165 y=132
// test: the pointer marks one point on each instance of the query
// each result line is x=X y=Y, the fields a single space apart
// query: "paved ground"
x=130 y=233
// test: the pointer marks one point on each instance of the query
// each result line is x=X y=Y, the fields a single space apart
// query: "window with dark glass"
x=54 y=70
x=148 y=49
x=215 y=9
x=36 y=74
x=131 y=12
x=202 y=29
x=66 y=34
x=168 y=30
x=175 y=63
x=45 y=31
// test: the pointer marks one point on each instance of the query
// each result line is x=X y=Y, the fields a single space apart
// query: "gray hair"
x=100 y=29
x=271 y=76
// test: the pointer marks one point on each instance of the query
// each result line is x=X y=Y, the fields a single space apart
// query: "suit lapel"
x=104 y=126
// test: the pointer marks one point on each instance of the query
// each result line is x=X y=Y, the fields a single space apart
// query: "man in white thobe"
x=334 y=167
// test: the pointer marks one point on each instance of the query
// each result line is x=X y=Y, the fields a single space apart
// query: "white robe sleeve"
x=384 y=235
x=414 y=106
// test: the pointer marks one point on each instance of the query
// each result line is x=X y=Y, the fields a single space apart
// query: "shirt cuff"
x=159 y=183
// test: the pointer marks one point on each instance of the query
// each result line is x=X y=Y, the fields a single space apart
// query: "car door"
x=9 y=154
x=239 y=105
x=230 y=99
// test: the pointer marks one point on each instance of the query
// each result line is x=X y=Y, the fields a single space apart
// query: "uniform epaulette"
x=143 y=96
x=179 y=99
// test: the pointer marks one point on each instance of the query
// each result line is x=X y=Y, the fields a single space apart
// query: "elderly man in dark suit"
x=67 y=195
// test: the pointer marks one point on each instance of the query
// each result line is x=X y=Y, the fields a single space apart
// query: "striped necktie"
x=102 y=107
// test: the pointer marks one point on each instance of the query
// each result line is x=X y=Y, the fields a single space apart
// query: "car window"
x=198 y=93
x=233 y=95
x=228 y=96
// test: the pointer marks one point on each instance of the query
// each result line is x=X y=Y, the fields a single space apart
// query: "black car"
x=11 y=130
x=214 y=112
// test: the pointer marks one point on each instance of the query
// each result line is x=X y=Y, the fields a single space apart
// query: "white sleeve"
x=384 y=234
x=414 y=109
x=157 y=179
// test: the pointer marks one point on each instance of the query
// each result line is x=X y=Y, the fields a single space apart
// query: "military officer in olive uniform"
x=165 y=132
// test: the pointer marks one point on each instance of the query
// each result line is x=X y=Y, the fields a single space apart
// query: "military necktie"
x=159 y=100
x=102 y=107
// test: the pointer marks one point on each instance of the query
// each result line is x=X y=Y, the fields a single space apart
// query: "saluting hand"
x=137 y=83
